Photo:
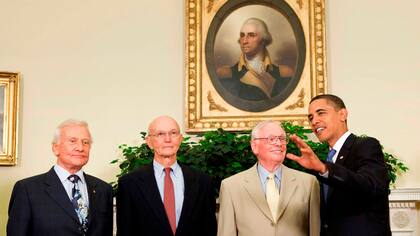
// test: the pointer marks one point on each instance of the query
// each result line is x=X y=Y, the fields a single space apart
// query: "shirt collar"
x=159 y=169
x=267 y=61
x=264 y=173
x=340 y=142
x=63 y=174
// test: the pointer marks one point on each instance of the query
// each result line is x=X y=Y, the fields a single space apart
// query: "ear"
x=54 y=148
x=343 y=114
x=149 y=142
x=254 y=147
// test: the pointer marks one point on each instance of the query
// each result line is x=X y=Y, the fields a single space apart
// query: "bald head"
x=162 y=121
x=164 y=139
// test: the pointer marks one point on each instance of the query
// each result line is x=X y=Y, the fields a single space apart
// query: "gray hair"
x=262 y=124
x=66 y=123
x=261 y=28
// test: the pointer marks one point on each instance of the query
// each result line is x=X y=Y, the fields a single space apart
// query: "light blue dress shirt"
x=263 y=174
x=68 y=185
x=178 y=181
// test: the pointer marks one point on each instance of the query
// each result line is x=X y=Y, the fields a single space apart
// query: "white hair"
x=262 y=124
x=261 y=28
x=66 y=123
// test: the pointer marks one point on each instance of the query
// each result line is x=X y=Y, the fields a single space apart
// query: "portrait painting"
x=256 y=56
x=252 y=60
x=9 y=107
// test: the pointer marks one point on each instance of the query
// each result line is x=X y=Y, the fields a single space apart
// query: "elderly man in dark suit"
x=354 y=178
x=64 y=201
x=165 y=198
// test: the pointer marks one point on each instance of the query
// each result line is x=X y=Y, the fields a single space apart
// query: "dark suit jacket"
x=140 y=210
x=40 y=206
x=249 y=92
x=357 y=201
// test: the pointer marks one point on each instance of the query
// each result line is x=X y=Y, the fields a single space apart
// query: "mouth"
x=319 y=130
x=79 y=156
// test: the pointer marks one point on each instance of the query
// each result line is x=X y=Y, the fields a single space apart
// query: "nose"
x=314 y=121
x=79 y=146
x=244 y=39
x=167 y=137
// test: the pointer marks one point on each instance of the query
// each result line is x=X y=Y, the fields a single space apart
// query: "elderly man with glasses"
x=165 y=198
x=269 y=198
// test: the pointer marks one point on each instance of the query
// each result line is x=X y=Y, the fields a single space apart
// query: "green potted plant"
x=221 y=154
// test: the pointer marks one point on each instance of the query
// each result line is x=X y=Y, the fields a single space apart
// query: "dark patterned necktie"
x=330 y=156
x=79 y=205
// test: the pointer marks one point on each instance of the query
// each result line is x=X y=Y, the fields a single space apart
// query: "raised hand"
x=308 y=159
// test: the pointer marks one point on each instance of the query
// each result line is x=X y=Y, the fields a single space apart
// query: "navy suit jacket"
x=40 y=206
x=357 y=199
x=249 y=92
x=140 y=210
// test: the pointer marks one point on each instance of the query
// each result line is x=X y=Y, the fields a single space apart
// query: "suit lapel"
x=252 y=185
x=91 y=187
x=345 y=149
x=190 y=196
x=287 y=188
x=56 y=191
x=342 y=155
x=148 y=187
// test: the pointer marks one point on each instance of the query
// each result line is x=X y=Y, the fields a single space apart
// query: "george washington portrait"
x=255 y=54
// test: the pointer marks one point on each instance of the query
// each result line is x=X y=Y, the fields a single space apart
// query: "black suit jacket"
x=249 y=92
x=357 y=201
x=40 y=206
x=140 y=210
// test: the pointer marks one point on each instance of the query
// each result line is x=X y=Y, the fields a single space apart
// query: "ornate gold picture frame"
x=224 y=89
x=9 y=107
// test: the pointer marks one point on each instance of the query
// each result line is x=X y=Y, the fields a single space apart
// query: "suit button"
x=273 y=224
x=325 y=226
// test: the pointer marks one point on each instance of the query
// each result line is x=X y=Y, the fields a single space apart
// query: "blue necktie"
x=331 y=153
x=79 y=205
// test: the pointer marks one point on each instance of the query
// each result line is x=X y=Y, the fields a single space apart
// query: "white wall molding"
x=403 y=211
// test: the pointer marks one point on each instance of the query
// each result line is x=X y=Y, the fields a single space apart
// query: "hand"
x=308 y=159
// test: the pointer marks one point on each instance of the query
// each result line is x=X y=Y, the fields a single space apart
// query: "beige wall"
x=118 y=64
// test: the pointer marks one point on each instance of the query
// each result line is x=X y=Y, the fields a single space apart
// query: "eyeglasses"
x=162 y=135
x=273 y=139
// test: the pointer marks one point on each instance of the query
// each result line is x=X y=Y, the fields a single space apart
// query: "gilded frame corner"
x=9 y=89
x=206 y=107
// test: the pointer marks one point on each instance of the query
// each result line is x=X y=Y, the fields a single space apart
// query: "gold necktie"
x=272 y=195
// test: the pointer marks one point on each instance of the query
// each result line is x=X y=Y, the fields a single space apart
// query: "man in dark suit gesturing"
x=165 y=198
x=64 y=201
x=354 y=178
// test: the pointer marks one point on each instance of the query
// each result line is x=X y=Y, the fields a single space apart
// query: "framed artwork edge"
x=8 y=154
x=203 y=109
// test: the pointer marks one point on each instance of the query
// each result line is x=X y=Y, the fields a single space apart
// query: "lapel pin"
x=94 y=191
x=341 y=157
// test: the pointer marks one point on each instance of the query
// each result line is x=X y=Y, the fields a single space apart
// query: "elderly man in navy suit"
x=354 y=178
x=64 y=201
x=165 y=198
